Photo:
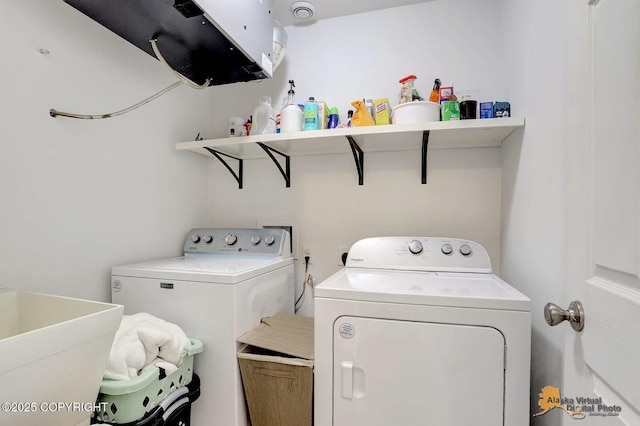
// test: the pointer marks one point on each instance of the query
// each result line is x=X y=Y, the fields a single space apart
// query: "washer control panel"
x=240 y=241
x=419 y=254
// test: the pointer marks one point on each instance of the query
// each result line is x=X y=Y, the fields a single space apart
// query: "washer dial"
x=255 y=239
x=207 y=239
x=446 y=248
x=230 y=239
x=195 y=238
x=465 y=250
x=415 y=247
x=269 y=239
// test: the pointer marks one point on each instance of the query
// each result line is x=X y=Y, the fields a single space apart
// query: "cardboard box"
x=486 y=110
x=323 y=115
x=450 y=110
x=382 y=111
x=445 y=93
x=502 y=109
x=277 y=371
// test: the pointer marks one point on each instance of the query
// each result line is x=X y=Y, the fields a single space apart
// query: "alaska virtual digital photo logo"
x=577 y=408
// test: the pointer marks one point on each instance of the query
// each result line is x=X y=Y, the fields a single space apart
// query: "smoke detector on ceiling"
x=303 y=10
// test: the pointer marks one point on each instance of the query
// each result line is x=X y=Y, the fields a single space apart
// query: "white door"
x=389 y=372
x=603 y=361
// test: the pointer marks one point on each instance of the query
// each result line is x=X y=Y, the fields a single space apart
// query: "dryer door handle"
x=347 y=379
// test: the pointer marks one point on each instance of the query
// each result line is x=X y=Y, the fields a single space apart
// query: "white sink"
x=53 y=352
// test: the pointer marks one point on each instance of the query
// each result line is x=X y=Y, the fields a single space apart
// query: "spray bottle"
x=291 y=117
x=408 y=91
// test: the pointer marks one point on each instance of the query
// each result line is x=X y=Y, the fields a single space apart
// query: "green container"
x=450 y=110
x=125 y=401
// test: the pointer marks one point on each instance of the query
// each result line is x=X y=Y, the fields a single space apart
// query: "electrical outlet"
x=307 y=250
x=342 y=255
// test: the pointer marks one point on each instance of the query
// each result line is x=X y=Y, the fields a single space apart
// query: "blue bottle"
x=334 y=118
x=311 y=114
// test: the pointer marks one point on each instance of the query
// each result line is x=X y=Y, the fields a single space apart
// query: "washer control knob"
x=195 y=238
x=446 y=248
x=465 y=250
x=230 y=239
x=415 y=247
x=269 y=239
x=207 y=239
x=255 y=239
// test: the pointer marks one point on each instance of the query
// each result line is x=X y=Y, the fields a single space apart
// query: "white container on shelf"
x=291 y=118
x=415 y=112
x=264 y=119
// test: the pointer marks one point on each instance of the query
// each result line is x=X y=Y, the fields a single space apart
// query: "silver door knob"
x=554 y=315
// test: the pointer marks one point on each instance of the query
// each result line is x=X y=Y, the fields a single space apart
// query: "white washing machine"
x=226 y=282
x=420 y=331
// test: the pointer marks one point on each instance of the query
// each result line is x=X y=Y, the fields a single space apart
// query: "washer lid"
x=222 y=269
x=464 y=290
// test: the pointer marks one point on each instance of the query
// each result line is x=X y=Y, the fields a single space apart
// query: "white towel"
x=142 y=340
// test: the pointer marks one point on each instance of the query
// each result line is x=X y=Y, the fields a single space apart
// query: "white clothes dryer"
x=420 y=331
x=226 y=282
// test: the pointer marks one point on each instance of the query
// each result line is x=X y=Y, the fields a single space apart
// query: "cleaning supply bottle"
x=405 y=94
x=311 y=114
x=264 y=119
x=371 y=106
x=408 y=91
x=334 y=118
x=291 y=117
x=435 y=93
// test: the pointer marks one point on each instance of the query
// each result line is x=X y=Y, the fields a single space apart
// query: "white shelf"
x=481 y=133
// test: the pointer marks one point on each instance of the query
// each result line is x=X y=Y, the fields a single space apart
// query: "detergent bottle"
x=264 y=119
x=311 y=114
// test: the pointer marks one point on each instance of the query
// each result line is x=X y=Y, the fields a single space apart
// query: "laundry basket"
x=125 y=402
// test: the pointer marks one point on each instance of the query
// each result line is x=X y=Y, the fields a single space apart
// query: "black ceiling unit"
x=226 y=41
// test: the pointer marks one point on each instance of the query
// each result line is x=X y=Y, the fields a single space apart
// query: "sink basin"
x=53 y=352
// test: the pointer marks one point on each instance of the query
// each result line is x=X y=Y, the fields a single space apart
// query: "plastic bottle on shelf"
x=264 y=119
x=247 y=125
x=334 y=118
x=291 y=116
x=311 y=114
x=408 y=91
x=371 y=107
x=435 y=93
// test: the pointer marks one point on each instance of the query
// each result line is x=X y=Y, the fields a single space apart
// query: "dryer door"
x=389 y=372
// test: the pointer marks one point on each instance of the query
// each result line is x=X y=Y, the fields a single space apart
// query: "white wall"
x=365 y=56
x=534 y=177
x=510 y=200
x=82 y=195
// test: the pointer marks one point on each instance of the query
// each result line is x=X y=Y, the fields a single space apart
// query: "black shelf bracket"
x=218 y=155
x=286 y=173
x=425 y=146
x=358 y=156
